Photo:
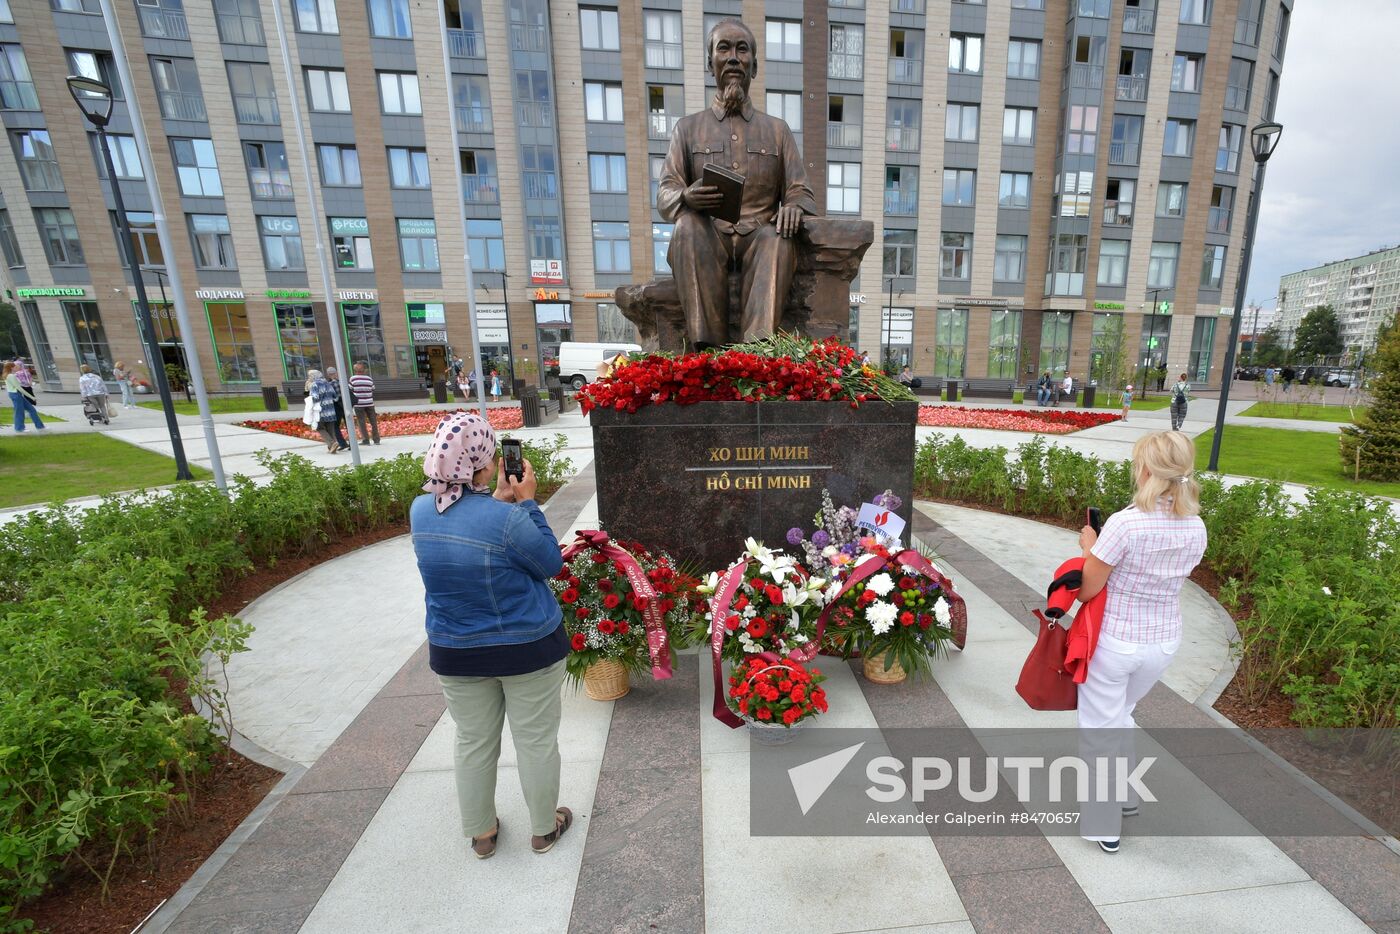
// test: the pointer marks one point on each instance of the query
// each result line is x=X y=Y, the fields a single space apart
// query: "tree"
x=1319 y=334
x=11 y=334
x=1268 y=348
x=1371 y=448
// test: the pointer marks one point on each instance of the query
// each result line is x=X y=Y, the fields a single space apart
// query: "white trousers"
x=1120 y=674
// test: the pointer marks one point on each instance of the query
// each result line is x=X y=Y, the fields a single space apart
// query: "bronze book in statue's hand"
x=731 y=186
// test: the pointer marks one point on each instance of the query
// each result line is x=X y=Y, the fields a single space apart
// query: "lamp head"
x=93 y=97
x=1263 y=139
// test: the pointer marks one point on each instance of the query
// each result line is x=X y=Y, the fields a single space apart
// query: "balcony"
x=275 y=186
x=843 y=135
x=257 y=110
x=660 y=125
x=907 y=70
x=1218 y=220
x=1123 y=153
x=1085 y=76
x=465 y=43
x=163 y=24
x=1132 y=87
x=906 y=6
x=663 y=55
x=176 y=105
x=901 y=203
x=847 y=65
x=1064 y=283
x=542 y=185
x=1139 y=21
x=475 y=119
x=902 y=138
x=481 y=189
x=1117 y=213
x=525 y=38
x=240 y=30
x=534 y=113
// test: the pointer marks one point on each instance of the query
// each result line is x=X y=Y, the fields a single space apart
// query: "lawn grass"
x=220 y=405
x=7 y=418
x=1309 y=457
x=1150 y=404
x=49 y=467
x=1309 y=412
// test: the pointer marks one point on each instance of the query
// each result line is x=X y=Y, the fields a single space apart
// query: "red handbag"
x=1044 y=683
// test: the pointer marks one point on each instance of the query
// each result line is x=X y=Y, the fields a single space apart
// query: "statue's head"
x=733 y=60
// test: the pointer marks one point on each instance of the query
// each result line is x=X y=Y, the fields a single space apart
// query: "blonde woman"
x=1143 y=556
x=123 y=377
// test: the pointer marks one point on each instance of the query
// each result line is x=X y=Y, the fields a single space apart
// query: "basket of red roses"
x=622 y=604
x=775 y=697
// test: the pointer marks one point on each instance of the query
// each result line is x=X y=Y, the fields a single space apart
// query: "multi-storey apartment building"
x=1051 y=181
x=1363 y=291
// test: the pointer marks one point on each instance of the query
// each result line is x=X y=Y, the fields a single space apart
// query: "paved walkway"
x=367 y=838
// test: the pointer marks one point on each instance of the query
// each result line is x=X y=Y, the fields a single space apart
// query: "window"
x=1161 y=266
x=1195 y=12
x=612 y=247
x=1075 y=193
x=1113 y=262
x=233 y=341
x=1281 y=31
x=657 y=164
x=1237 y=86
x=1178 y=137
x=479 y=176
x=844 y=113
x=1108 y=351
x=8 y=244
x=327 y=90
x=408 y=168
x=59 y=233
x=1015 y=190
x=38 y=164
x=1202 y=343
x=389 y=19
x=5 y=15
x=602 y=103
x=961 y=123
x=950 y=343
x=663 y=39
x=350 y=244
x=1028 y=4
x=125 y=157
x=1222 y=203
x=398 y=93
x=607 y=173
x=899 y=252
x=1004 y=344
x=599 y=29
x=661 y=248
x=539 y=177
x=89 y=337
x=1069 y=255
x=1171 y=199
x=1247 y=26
x=545 y=238
x=1018 y=126
x=846 y=56
x=76 y=6
x=316 y=16
x=902 y=190
x=1096 y=8
x=1010 y=263
x=664 y=109
x=95 y=65
x=1083 y=136
x=239 y=22
x=486 y=246
x=1186 y=72
x=340 y=165
x=16 y=84
x=1134 y=65
x=1227 y=156
x=959 y=186
x=965 y=54
x=177 y=87
x=197 y=168
x=955 y=257
x=269 y=176
x=254 y=95
x=418 y=245
x=902 y=119
x=281 y=242
x=786 y=105
x=296 y=332
x=472 y=98
x=1213 y=266
x=613 y=326
x=843 y=187
x=784 y=41
x=39 y=341
x=213 y=243
x=1118 y=201
x=364 y=330
x=1023 y=59
x=1127 y=139
x=145 y=241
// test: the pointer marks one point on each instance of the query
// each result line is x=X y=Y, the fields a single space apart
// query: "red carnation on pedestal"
x=578 y=642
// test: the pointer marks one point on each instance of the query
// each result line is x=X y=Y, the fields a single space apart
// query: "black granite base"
x=696 y=480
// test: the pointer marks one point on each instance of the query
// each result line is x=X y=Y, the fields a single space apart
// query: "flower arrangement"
x=773 y=608
x=779 y=367
x=836 y=541
x=780 y=693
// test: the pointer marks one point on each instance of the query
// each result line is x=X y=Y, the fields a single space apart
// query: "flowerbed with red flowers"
x=781 y=367
x=1040 y=421
x=392 y=424
x=778 y=692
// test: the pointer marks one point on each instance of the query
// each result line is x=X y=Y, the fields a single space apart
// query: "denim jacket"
x=486 y=566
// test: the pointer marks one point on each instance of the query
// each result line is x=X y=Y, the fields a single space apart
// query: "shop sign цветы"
x=219 y=295
x=357 y=295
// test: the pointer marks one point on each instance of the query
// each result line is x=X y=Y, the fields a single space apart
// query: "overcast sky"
x=1333 y=186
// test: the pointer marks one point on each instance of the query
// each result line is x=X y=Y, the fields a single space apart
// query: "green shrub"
x=1370 y=448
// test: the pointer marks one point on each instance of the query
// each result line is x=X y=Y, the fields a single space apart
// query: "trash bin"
x=271 y=402
x=559 y=395
x=530 y=407
x=952 y=389
x=1089 y=393
x=440 y=391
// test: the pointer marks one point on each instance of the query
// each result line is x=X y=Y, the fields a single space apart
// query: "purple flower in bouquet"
x=820 y=539
x=887 y=500
x=795 y=536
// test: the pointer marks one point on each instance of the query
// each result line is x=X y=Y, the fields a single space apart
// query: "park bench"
x=988 y=388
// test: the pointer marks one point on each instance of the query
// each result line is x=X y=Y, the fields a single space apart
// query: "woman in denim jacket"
x=495 y=636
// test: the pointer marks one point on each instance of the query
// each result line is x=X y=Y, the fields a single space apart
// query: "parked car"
x=578 y=361
x=1248 y=373
x=1340 y=377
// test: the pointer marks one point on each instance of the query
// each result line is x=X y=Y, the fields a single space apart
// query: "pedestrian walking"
x=1268 y=376
x=1042 y=392
x=362 y=394
x=123 y=376
x=1288 y=374
x=321 y=396
x=1142 y=557
x=495 y=386
x=1127 y=400
x=495 y=635
x=26 y=379
x=1180 y=396
x=21 y=402
x=333 y=376
x=92 y=388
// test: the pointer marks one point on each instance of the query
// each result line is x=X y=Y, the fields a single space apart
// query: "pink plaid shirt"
x=1152 y=553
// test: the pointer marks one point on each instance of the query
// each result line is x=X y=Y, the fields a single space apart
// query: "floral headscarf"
x=463 y=444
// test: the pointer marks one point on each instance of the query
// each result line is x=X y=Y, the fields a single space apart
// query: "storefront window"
x=364 y=336
x=1152 y=349
x=950 y=343
x=614 y=326
x=1004 y=344
x=493 y=330
x=1054 y=342
x=554 y=324
x=39 y=343
x=897 y=338
x=89 y=337
x=233 y=341
x=1202 y=343
x=1107 y=354
x=296 y=331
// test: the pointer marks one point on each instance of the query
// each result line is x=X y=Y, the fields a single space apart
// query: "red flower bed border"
x=393 y=424
x=1041 y=421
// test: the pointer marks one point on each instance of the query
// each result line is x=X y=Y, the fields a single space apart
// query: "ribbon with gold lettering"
x=658 y=640
x=869 y=568
x=725 y=589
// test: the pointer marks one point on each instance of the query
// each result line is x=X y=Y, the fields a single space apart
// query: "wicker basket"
x=774 y=734
x=606 y=680
x=874 y=666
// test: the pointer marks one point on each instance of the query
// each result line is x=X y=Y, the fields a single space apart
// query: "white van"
x=578 y=362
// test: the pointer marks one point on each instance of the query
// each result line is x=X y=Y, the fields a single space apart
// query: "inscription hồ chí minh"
x=723 y=483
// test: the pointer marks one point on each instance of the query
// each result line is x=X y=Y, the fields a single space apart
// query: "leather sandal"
x=485 y=846
x=563 y=820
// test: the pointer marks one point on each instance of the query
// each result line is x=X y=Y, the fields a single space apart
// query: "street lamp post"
x=94 y=99
x=1263 y=139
